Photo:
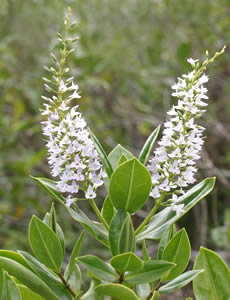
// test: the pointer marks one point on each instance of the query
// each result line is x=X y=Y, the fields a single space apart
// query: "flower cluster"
x=72 y=155
x=173 y=164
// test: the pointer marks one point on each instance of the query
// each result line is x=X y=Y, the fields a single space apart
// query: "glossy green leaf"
x=214 y=282
x=145 y=151
x=166 y=237
x=117 y=291
x=10 y=289
x=130 y=186
x=47 y=276
x=95 y=229
x=126 y=262
x=115 y=229
x=74 y=254
x=151 y=271
x=126 y=241
x=58 y=230
x=115 y=155
x=179 y=282
x=14 y=256
x=45 y=244
x=99 y=268
x=27 y=294
x=108 y=210
x=121 y=233
x=178 y=251
x=27 y=277
x=102 y=155
x=161 y=221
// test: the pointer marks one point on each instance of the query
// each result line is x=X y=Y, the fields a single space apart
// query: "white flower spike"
x=72 y=155
x=172 y=166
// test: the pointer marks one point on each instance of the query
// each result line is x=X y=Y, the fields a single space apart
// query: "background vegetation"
x=128 y=55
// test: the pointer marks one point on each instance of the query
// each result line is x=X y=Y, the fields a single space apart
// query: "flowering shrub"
x=80 y=165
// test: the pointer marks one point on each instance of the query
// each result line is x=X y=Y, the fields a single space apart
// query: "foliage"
x=129 y=94
x=129 y=184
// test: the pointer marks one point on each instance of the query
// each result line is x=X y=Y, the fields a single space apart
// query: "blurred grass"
x=128 y=55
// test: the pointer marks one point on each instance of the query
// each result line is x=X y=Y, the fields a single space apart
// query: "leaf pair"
x=121 y=233
x=137 y=271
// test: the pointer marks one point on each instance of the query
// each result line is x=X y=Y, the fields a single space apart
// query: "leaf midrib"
x=50 y=257
x=210 y=282
x=130 y=186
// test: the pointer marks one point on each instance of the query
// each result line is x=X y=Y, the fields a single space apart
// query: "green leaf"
x=91 y=293
x=178 y=251
x=117 y=291
x=126 y=262
x=116 y=154
x=179 y=282
x=45 y=244
x=108 y=210
x=98 y=268
x=10 y=289
x=27 y=294
x=161 y=221
x=127 y=236
x=52 y=219
x=145 y=151
x=151 y=271
x=50 y=187
x=121 y=233
x=74 y=254
x=14 y=256
x=166 y=237
x=58 y=231
x=27 y=277
x=1 y=282
x=122 y=159
x=47 y=276
x=155 y=296
x=130 y=186
x=75 y=279
x=95 y=229
x=143 y=290
x=145 y=253
x=102 y=155
x=214 y=282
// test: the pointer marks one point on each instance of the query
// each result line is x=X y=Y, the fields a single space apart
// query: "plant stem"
x=98 y=213
x=66 y=284
x=158 y=286
x=152 y=212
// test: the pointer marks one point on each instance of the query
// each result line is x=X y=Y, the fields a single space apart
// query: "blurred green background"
x=128 y=55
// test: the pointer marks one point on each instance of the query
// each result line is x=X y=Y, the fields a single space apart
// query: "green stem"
x=152 y=212
x=98 y=213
